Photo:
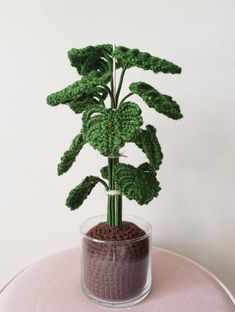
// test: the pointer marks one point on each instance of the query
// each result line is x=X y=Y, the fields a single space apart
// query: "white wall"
x=194 y=214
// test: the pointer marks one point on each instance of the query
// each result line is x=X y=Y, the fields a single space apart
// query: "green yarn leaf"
x=70 y=155
x=79 y=105
x=81 y=92
x=104 y=172
x=138 y=183
x=144 y=60
x=77 y=196
x=107 y=130
x=147 y=141
x=90 y=58
x=162 y=103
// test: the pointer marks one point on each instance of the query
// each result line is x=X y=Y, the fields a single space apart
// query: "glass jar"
x=116 y=273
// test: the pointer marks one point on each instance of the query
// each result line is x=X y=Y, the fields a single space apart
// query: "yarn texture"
x=147 y=141
x=77 y=195
x=91 y=58
x=107 y=130
x=162 y=103
x=70 y=155
x=138 y=183
x=81 y=89
x=80 y=104
x=135 y=58
x=104 y=172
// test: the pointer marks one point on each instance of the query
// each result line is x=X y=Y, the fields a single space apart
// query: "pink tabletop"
x=53 y=285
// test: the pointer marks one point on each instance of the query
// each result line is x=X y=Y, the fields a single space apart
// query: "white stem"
x=114 y=73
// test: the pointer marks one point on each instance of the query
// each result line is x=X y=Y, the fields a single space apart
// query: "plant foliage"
x=108 y=126
x=70 y=155
x=144 y=60
x=107 y=130
x=138 y=183
x=77 y=195
x=147 y=141
x=162 y=103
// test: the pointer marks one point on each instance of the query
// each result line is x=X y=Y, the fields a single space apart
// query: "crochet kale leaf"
x=148 y=142
x=77 y=195
x=80 y=104
x=70 y=155
x=95 y=98
x=104 y=172
x=81 y=91
x=91 y=58
x=133 y=57
x=162 y=103
x=107 y=130
x=138 y=183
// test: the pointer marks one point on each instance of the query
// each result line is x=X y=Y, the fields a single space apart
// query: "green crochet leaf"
x=90 y=58
x=107 y=130
x=70 y=155
x=138 y=183
x=148 y=142
x=79 y=105
x=105 y=172
x=80 y=91
x=77 y=196
x=133 y=57
x=162 y=103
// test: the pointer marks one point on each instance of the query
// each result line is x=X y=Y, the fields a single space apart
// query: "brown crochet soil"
x=115 y=270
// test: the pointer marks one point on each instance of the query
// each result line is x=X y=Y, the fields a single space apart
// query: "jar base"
x=118 y=304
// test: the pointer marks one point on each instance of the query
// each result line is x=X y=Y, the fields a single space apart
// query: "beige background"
x=194 y=214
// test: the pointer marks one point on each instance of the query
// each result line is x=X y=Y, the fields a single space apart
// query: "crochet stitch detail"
x=133 y=57
x=70 y=155
x=107 y=130
x=88 y=99
x=77 y=195
x=162 y=103
x=90 y=58
x=104 y=171
x=138 y=183
x=147 y=141
x=81 y=89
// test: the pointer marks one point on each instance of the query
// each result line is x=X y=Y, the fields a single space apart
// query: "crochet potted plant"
x=116 y=255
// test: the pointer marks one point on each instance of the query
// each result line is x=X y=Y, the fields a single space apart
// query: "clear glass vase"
x=116 y=273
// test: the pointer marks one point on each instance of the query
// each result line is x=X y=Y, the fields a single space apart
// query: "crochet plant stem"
x=108 y=123
x=114 y=208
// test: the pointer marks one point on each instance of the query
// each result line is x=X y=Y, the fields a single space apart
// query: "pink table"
x=53 y=285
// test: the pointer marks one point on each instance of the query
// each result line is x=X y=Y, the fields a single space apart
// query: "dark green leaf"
x=79 y=105
x=139 y=183
x=83 y=90
x=133 y=57
x=162 y=103
x=82 y=103
x=104 y=172
x=77 y=196
x=90 y=58
x=70 y=155
x=107 y=130
x=148 y=142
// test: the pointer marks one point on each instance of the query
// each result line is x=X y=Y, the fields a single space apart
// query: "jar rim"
x=131 y=240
